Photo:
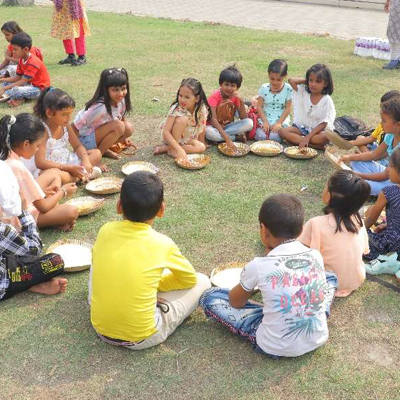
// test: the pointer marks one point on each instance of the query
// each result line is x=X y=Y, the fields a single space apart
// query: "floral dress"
x=193 y=130
x=389 y=239
x=64 y=26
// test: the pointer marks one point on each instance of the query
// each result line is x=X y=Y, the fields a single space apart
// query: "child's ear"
x=197 y=98
x=161 y=211
x=120 y=211
x=49 y=113
x=25 y=144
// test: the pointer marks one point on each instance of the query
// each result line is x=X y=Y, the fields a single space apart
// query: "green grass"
x=48 y=348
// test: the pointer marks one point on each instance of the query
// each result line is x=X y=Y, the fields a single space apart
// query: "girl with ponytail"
x=340 y=234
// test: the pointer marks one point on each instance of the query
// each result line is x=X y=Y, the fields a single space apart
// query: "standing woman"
x=393 y=33
x=70 y=24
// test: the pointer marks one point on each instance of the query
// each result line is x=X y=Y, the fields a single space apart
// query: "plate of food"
x=194 y=161
x=266 y=148
x=333 y=158
x=86 y=204
x=77 y=255
x=134 y=166
x=338 y=141
x=105 y=185
x=226 y=278
x=241 y=150
x=298 y=153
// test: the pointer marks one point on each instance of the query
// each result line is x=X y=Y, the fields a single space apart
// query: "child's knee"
x=96 y=156
x=248 y=124
x=181 y=122
x=71 y=212
x=117 y=126
x=128 y=129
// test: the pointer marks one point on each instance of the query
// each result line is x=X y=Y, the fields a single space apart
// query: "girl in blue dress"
x=386 y=238
x=274 y=102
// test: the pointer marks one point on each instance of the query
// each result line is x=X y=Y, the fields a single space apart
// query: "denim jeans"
x=232 y=129
x=22 y=92
x=371 y=167
x=245 y=321
x=261 y=135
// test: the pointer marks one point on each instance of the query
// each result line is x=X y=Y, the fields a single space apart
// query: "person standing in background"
x=393 y=33
x=70 y=24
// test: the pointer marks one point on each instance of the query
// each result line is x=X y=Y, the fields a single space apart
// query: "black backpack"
x=350 y=127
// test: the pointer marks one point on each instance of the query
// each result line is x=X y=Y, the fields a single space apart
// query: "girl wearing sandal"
x=102 y=123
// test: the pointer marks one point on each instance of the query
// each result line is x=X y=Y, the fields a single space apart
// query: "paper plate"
x=134 y=166
x=195 y=161
x=106 y=185
x=242 y=149
x=266 y=148
x=86 y=205
x=301 y=154
x=334 y=160
x=77 y=255
x=226 y=278
x=338 y=141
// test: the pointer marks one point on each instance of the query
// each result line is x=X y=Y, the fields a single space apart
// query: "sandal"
x=384 y=264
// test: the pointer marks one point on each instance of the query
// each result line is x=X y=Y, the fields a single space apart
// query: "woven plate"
x=301 y=154
x=106 y=185
x=226 y=278
x=334 y=160
x=134 y=166
x=266 y=148
x=338 y=141
x=242 y=149
x=86 y=205
x=77 y=255
x=196 y=161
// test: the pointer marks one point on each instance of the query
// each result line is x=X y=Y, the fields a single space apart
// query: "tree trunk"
x=18 y=2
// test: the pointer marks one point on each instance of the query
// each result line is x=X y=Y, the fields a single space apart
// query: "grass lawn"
x=48 y=348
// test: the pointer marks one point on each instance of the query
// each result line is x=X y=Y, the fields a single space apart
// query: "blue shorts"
x=303 y=130
x=89 y=141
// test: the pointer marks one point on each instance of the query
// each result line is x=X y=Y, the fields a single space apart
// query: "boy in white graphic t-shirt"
x=296 y=292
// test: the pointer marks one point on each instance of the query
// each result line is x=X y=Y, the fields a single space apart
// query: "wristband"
x=65 y=192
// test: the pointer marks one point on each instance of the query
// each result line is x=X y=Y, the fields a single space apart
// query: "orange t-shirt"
x=34 y=69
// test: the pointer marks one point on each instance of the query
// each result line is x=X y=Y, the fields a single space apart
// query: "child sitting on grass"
x=39 y=274
x=32 y=75
x=368 y=143
x=274 y=102
x=293 y=319
x=183 y=131
x=340 y=235
x=313 y=108
x=224 y=103
x=141 y=286
x=386 y=238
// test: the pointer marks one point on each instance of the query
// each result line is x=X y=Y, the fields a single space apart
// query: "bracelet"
x=61 y=167
x=65 y=192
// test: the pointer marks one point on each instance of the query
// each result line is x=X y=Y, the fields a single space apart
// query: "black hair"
x=278 y=66
x=197 y=88
x=392 y=108
x=232 y=75
x=109 y=77
x=142 y=194
x=283 y=215
x=52 y=99
x=348 y=193
x=22 y=40
x=323 y=72
x=26 y=127
x=12 y=27
x=390 y=95
x=395 y=160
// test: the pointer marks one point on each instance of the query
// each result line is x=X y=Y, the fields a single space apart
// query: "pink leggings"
x=80 y=43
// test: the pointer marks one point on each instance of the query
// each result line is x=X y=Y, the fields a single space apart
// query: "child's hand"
x=88 y=166
x=276 y=127
x=266 y=127
x=304 y=142
x=50 y=190
x=380 y=228
x=181 y=154
x=230 y=145
x=345 y=158
x=76 y=171
x=70 y=188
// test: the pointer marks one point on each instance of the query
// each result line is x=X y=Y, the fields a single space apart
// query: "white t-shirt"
x=10 y=200
x=293 y=284
x=311 y=115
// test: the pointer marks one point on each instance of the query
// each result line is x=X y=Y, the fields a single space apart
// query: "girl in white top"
x=313 y=108
x=55 y=108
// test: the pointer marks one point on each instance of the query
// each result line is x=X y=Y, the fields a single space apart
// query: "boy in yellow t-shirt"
x=369 y=143
x=141 y=287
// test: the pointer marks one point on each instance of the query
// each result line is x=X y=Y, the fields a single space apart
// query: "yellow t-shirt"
x=127 y=271
x=378 y=134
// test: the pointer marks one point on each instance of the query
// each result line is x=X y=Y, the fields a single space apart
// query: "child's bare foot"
x=160 y=150
x=104 y=168
x=241 y=138
x=15 y=103
x=111 y=154
x=66 y=227
x=51 y=287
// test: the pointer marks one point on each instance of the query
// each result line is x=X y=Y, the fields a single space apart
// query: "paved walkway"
x=345 y=23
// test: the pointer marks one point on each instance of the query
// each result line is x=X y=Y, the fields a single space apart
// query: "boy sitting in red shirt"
x=32 y=75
